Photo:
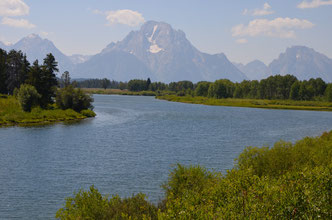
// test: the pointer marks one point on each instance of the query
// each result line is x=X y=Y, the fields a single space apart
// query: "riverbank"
x=252 y=103
x=12 y=114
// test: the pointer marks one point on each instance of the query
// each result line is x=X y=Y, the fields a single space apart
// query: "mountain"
x=304 y=63
x=37 y=48
x=164 y=54
x=161 y=53
x=117 y=65
x=254 y=70
x=77 y=58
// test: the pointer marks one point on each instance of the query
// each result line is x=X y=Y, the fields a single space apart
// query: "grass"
x=252 y=103
x=12 y=114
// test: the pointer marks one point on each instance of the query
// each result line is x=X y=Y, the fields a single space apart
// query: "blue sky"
x=242 y=29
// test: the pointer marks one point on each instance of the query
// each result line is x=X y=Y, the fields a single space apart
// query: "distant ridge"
x=304 y=63
x=164 y=54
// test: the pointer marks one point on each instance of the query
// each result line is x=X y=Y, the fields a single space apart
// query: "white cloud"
x=266 y=10
x=13 y=8
x=279 y=27
x=19 y=23
x=242 y=41
x=314 y=4
x=126 y=17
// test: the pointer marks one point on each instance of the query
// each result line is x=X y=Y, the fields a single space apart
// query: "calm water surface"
x=130 y=147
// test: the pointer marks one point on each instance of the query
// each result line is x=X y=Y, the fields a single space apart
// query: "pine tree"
x=48 y=80
x=3 y=73
x=17 y=69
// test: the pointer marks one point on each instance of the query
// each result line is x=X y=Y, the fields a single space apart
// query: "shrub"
x=88 y=113
x=27 y=96
x=328 y=92
x=76 y=99
x=92 y=205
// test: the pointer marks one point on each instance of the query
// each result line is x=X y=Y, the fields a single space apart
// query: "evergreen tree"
x=3 y=73
x=48 y=80
x=105 y=83
x=148 y=83
x=295 y=91
x=17 y=70
x=35 y=76
x=65 y=79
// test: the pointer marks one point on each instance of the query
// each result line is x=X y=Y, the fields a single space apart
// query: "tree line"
x=101 y=83
x=273 y=87
x=37 y=84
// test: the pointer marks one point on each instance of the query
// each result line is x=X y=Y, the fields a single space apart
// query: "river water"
x=131 y=146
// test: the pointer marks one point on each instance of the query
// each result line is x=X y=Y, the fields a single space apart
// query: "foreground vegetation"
x=287 y=181
x=12 y=114
x=251 y=103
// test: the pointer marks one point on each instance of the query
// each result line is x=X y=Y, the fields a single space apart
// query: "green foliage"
x=27 y=96
x=283 y=182
x=65 y=79
x=180 y=86
x=105 y=83
x=16 y=70
x=11 y=113
x=222 y=88
x=137 y=85
x=92 y=205
x=3 y=72
x=72 y=98
x=328 y=92
x=88 y=113
x=202 y=89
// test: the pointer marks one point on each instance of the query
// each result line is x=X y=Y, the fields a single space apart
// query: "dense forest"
x=37 y=85
x=287 y=181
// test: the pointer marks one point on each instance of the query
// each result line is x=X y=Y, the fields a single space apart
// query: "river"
x=131 y=146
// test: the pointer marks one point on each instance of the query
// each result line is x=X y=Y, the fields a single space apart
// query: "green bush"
x=328 y=92
x=88 y=113
x=92 y=205
x=27 y=96
x=76 y=99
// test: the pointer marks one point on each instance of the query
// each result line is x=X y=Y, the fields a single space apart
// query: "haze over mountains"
x=164 y=54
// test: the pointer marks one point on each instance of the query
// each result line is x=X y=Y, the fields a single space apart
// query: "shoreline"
x=11 y=114
x=251 y=103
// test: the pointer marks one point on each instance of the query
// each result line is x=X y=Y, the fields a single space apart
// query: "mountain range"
x=164 y=54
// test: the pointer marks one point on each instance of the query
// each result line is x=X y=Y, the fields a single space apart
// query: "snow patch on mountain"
x=154 y=48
